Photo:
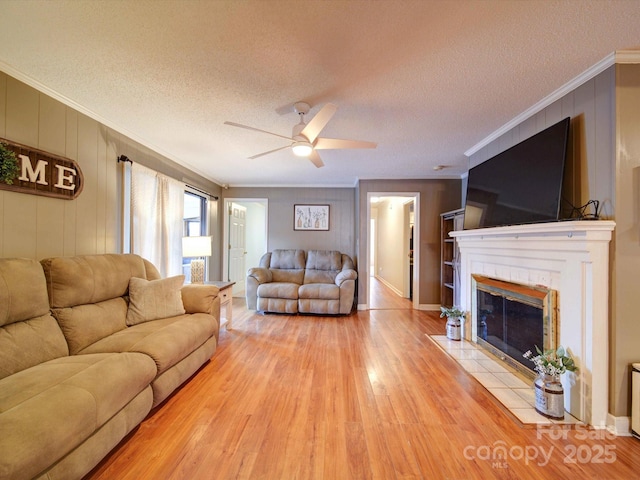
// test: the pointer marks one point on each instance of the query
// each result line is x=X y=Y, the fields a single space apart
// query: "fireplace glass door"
x=513 y=318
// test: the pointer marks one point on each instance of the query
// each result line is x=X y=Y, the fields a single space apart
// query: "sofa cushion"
x=86 y=324
x=322 y=266
x=29 y=343
x=167 y=341
x=287 y=259
x=23 y=290
x=151 y=300
x=50 y=409
x=324 y=260
x=279 y=290
x=287 y=266
x=278 y=305
x=322 y=291
x=28 y=333
x=87 y=279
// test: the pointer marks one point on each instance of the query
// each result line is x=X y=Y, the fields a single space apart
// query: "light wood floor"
x=363 y=396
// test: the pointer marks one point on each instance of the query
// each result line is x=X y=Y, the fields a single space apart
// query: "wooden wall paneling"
x=113 y=197
x=553 y=113
x=102 y=188
x=50 y=211
x=70 y=215
x=86 y=226
x=3 y=125
x=22 y=113
x=19 y=229
x=20 y=210
x=584 y=140
x=527 y=128
x=604 y=149
x=51 y=126
x=3 y=105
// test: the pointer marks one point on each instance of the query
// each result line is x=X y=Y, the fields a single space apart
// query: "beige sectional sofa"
x=295 y=281
x=88 y=346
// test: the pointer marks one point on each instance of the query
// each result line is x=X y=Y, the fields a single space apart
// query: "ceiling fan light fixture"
x=302 y=149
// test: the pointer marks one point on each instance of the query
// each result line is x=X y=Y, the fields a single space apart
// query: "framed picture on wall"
x=311 y=217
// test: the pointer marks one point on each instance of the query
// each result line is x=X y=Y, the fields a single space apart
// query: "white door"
x=237 y=247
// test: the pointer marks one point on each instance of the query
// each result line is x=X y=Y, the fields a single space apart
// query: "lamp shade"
x=196 y=246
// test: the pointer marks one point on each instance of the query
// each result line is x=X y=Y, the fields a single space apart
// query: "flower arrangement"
x=451 y=312
x=9 y=168
x=551 y=362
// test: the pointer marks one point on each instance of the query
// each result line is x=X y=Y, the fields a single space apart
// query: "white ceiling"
x=426 y=80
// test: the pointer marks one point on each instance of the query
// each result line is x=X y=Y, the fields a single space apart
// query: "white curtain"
x=157 y=210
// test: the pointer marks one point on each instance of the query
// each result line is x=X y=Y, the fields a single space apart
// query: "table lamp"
x=196 y=248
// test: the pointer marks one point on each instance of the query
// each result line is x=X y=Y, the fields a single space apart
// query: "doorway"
x=393 y=229
x=245 y=238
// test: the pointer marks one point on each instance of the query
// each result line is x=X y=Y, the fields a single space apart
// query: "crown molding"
x=619 y=56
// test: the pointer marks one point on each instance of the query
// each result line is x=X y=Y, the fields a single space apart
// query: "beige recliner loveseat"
x=295 y=281
x=88 y=346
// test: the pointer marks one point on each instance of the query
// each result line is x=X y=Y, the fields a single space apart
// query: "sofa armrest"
x=262 y=275
x=345 y=275
x=201 y=299
x=255 y=276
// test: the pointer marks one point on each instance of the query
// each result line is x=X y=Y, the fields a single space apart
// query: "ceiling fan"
x=304 y=140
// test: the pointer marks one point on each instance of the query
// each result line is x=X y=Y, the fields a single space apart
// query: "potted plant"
x=549 y=365
x=454 y=323
x=9 y=168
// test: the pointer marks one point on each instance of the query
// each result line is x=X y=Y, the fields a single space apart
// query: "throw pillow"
x=151 y=300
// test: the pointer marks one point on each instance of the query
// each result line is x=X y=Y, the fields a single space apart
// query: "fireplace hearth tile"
x=493 y=366
x=472 y=366
x=508 y=387
x=511 y=380
x=489 y=380
x=509 y=398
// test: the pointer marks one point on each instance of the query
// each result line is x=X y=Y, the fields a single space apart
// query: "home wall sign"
x=40 y=173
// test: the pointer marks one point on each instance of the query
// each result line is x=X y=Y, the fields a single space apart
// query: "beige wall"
x=38 y=227
x=625 y=300
x=392 y=251
x=280 y=233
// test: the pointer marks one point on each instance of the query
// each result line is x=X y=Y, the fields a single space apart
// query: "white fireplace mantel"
x=572 y=258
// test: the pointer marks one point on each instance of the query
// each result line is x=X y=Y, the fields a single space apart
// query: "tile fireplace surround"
x=572 y=258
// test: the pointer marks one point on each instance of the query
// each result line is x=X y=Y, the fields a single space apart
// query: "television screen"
x=520 y=185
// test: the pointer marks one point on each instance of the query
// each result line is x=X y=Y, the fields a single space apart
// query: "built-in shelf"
x=449 y=221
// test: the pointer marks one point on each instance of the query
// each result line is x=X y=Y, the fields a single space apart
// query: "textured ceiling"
x=426 y=80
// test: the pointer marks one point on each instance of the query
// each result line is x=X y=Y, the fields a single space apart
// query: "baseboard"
x=620 y=426
x=429 y=307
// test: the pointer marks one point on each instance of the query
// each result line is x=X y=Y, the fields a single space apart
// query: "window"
x=194 y=224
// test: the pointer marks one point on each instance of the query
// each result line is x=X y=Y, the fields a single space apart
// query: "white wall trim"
x=621 y=426
x=389 y=286
x=620 y=56
x=429 y=307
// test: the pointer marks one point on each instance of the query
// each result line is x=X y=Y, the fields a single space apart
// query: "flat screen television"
x=520 y=185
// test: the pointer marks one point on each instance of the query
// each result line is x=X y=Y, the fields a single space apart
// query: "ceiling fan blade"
x=267 y=153
x=315 y=159
x=335 y=143
x=317 y=123
x=255 y=129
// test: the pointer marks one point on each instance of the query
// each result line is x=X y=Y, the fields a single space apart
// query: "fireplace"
x=512 y=318
x=572 y=259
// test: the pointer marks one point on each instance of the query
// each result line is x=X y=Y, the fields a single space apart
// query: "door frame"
x=225 y=228
x=415 y=196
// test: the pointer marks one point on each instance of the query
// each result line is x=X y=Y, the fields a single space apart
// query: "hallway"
x=382 y=297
